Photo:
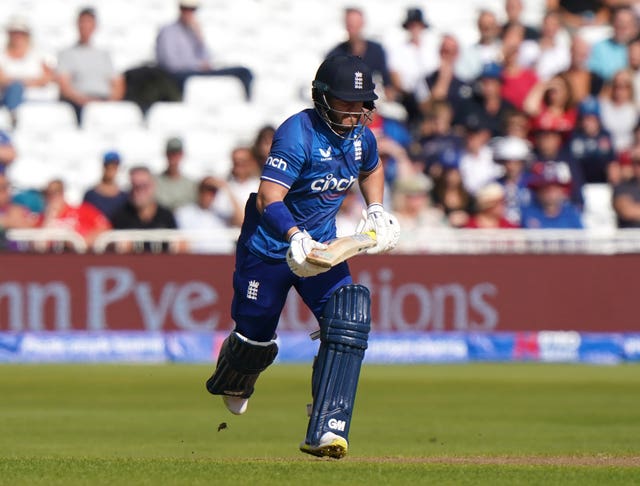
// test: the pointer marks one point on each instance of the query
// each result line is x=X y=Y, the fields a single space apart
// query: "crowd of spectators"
x=502 y=133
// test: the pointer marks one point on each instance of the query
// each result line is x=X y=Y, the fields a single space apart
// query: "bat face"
x=340 y=249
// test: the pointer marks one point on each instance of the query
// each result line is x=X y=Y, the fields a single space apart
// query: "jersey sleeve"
x=370 y=156
x=287 y=156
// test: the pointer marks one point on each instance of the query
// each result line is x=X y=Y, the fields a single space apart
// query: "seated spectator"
x=551 y=103
x=549 y=147
x=514 y=154
x=554 y=54
x=412 y=60
x=85 y=73
x=174 y=189
x=550 y=207
x=592 y=147
x=517 y=124
x=350 y=212
x=371 y=52
x=262 y=144
x=583 y=81
x=476 y=163
x=394 y=141
x=202 y=215
x=618 y=110
x=449 y=193
x=7 y=151
x=634 y=67
x=490 y=212
x=443 y=84
x=487 y=101
x=626 y=199
x=513 y=9
x=181 y=50
x=142 y=210
x=576 y=14
x=243 y=179
x=487 y=50
x=610 y=55
x=24 y=72
x=107 y=196
x=517 y=80
x=13 y=215
x=84 y=219
x=412 y=205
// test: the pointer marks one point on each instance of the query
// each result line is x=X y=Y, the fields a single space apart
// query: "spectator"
x=476 y=163
x=517 y=81
x=449 y=193
x=626 y=199
x=174 y=189
x=619 y=113
x=413 y=208
x=584 y=82
x=576 y=14
x=551 y=103
x=443 y=84
x=487 y=50
x=203 y=215
x=85 y=73
x=107 y=196
x=84 y=219
x=610 y=55
x=592 y=147
x=243 y=179
x=181 y=50
x=372 y=53
x=549 y=147
x=513 y=9
x=7 y=151
x=142 y=210
x=436 y=137
x=13 y=215
x=487 y=102
x=24 y=72
x=262 y=144
x=514 y=154
x=490 y=210
x=412 y=60
x=634 y=67
x=554 y=53
x=516 y=124
x=550 y=207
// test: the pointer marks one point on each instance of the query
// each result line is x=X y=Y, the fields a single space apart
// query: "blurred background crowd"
x=498 y=114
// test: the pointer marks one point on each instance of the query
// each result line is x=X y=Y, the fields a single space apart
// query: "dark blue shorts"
x=261 y=288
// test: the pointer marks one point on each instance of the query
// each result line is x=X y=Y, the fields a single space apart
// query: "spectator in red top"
x=551 y=103
x=517 y=81
x=490 y=209
x=84 y=219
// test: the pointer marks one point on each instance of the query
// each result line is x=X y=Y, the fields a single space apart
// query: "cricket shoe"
x=235 y=405
x=331 y=445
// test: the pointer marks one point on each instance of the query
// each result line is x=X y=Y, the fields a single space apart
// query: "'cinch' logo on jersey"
x=330 y=183
x=276 y=162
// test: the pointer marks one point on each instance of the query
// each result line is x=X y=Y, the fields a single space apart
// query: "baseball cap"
x=189 y=4
x=489 y=195
x=589 y=106
x=548 y=173
x=414 y=15
x=174 y=144
x=414 y=184
x=491 y=70
x=511 y=148
x=111 y=157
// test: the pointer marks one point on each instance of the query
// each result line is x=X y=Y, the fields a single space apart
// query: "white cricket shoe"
x=331 y=445
x=235 y=405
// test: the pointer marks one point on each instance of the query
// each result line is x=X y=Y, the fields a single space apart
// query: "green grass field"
x=467 y=424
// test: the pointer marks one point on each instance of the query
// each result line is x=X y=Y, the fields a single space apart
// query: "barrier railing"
x=421 y=241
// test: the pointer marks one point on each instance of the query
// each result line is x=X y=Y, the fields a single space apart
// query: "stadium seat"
x=174 y=118
x=41 y=117
x=111 y=116
x=598 y=208
x=213 y=92
x=141 y=147
x=207 y=154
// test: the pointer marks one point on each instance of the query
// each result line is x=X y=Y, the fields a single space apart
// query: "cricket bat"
x=340 y=249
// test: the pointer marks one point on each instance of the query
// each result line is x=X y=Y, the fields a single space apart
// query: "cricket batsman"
x=316 y=156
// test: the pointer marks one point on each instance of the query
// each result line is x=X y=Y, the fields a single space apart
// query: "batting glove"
x=300 y=245
x=383 y=224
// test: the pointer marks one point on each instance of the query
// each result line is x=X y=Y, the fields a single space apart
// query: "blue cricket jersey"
x=318 y=167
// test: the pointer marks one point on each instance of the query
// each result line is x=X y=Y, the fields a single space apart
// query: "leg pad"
x=239 y=364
